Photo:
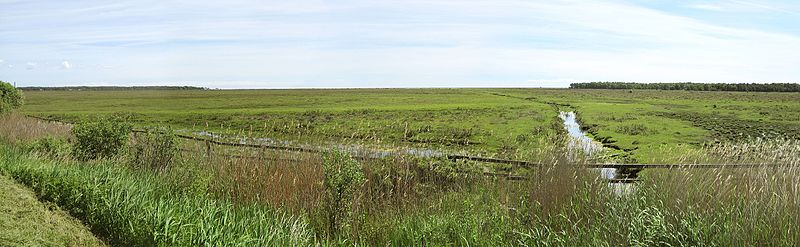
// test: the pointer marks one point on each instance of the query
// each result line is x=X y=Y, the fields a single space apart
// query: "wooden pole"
x=208 y=149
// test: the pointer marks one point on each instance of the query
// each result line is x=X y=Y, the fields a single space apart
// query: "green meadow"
x=108 y=186
x=506 y=123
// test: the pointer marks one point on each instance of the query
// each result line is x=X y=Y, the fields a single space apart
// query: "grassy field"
x=24 y=221
x=452 y=119
x=236 y=196
x=279 y=199
x=506 y=123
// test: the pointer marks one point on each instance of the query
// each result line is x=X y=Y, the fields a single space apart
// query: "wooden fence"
x=209 y=142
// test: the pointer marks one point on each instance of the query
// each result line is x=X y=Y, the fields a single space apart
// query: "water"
x=245 y=140
x=581 y=144
x=354 y=149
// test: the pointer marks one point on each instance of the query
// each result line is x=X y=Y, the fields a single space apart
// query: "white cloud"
x=416 y=42
x=708 y=6
x=30 y=65
x=740 y=6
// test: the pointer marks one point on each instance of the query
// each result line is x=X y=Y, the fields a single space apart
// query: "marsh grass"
x=281 y=179
x=16 y=127
x=142 y=209
x=156 y=149
x=405 y=200
x=741 y=205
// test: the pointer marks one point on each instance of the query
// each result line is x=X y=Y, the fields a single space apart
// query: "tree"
x=689 y=86
x=10 y=97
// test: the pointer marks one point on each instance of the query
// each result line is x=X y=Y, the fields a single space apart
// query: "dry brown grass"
x=553 y=185
x=277 y=178
x=294 y=180
x=283 y=179
x=15 y=127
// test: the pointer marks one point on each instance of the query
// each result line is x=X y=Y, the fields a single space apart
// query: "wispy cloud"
x=389 y=43
x=741 y=6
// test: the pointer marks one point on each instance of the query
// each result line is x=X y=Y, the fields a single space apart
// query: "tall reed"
x=16 y=127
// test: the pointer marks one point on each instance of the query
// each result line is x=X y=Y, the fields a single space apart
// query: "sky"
x=408 y=43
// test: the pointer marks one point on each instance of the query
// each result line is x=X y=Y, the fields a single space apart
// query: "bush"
x=155 y=149
x=50 y=146
x=99 y=139
x=634 y=129
x=448 y=174
x=10 y=97
x=343 y=177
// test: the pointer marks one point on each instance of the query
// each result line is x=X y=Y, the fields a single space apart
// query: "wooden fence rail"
x=521 y=163
x=527 y=164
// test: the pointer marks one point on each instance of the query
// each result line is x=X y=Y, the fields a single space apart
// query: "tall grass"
x=688 y=206
x=742 y=205
x=240 y=195
x=142 y=209
x=16 y=127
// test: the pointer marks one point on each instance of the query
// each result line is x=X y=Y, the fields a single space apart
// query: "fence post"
x=208 y=149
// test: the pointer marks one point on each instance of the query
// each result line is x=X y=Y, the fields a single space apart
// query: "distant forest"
x=691 y=86
x=107 y=88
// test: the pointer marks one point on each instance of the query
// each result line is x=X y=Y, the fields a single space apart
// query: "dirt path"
x=25 y=221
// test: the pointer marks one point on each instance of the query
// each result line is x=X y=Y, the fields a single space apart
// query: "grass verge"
x=139 y=209
x=24 y=221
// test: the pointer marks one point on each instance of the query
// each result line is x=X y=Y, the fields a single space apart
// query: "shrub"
x=10 y=97
x=343 y=177
x=634 y=129
x=50 y=146
x=99 y=139
x=156 y=149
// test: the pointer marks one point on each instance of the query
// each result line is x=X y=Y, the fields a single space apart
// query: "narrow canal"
x=581 y=146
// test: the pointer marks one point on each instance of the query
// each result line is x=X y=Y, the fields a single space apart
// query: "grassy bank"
x=143 y=210
x=563 y=207
x=24 y=221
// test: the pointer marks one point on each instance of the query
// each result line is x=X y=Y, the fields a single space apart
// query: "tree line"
x=108 y=88
x=691 y=86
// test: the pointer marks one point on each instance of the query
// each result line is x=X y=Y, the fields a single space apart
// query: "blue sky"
x=410 y=43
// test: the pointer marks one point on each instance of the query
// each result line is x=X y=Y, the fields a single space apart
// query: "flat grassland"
x=642 y=125
x=156 y=191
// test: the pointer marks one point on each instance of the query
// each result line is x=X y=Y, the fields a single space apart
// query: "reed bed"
x=140 y=209
x=278 y=197
x=16 y=127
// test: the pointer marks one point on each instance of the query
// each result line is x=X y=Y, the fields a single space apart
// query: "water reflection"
x=355 y=150
x=581 y=145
